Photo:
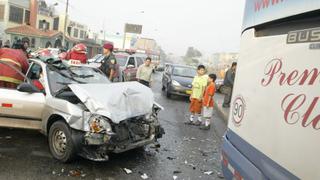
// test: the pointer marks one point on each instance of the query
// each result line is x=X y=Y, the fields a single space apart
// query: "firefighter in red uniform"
x=78 y=52
x=11 y=61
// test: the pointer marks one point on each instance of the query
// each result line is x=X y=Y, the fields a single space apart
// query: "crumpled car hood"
x=116 y=101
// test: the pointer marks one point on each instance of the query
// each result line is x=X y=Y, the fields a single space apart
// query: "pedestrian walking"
x=199 y=84
x=109 y=63
x=228 y=84
x=144 y=73
x=208 y=101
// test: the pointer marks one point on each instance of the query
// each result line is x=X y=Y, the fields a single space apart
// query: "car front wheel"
x=60 y=142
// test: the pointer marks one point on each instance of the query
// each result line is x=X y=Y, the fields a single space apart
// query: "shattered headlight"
x=155 y=111
x=99 y=124
x=156 y=108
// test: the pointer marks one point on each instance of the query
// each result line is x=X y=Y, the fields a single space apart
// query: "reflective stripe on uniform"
x=9 y=79
x=10 y=60
x=6 y=105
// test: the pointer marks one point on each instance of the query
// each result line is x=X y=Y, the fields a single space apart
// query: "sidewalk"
x=222 y=112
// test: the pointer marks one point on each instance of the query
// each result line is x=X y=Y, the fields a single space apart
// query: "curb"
x=222 y=112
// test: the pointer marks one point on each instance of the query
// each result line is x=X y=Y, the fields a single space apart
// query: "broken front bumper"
x=96 y=146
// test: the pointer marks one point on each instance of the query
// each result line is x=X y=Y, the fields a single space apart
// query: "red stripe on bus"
x=237 y=175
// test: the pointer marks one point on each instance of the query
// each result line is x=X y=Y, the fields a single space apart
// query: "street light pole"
x=65 y=25
x=124 y=36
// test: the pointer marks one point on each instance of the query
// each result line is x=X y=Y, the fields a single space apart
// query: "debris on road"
x=165 y=150
x=171 y=158
x=220 y=175
x=177 y=172
x=8 y=137
x=128 y=171
x=208 y=173
x=144 y=176
x=155 y=146
x=204 y=153
x=175 y=177
x=75 y=173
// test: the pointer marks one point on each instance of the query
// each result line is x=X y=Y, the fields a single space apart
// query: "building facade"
x=35 y=21
x=13 y=13
x=220 y=62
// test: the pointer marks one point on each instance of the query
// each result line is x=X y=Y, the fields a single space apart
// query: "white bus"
x=274 y=124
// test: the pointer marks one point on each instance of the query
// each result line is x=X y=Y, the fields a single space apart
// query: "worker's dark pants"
x=146 y=83
x=228 y=94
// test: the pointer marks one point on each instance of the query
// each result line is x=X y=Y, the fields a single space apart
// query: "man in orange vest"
x=11 y=61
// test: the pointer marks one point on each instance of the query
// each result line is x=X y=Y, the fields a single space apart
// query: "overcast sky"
x=208 y=25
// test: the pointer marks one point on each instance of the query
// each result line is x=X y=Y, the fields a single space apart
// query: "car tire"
x=60 y=142
x=168 y=94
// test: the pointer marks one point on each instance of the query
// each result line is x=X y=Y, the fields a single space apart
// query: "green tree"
x=192 y=56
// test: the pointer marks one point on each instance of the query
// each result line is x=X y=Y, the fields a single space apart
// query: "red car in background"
x=128 y=65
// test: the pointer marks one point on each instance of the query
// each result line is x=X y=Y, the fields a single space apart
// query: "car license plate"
x=189 y=92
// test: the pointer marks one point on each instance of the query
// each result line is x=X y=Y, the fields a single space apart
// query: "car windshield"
x=99 y=59
x=97 y=56
x=184 y=71
x=59 y=78
x=121 y=60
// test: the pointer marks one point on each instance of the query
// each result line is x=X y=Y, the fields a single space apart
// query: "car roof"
x=181 y=65
x=130 y=55
x=45 y=64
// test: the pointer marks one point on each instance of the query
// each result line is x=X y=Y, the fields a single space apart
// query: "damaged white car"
x=80 y=111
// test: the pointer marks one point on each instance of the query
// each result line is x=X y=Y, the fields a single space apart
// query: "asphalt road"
x=186 y=152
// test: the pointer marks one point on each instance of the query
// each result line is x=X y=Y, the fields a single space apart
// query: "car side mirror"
x=28 y=88
x=130 y=66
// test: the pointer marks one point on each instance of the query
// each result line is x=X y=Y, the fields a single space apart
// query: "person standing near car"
x=208 y=102
x=144 y=73
x=109 y=63
x=199 y=85
x=228 y=84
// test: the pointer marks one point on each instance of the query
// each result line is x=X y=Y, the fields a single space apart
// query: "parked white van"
x=274 y=123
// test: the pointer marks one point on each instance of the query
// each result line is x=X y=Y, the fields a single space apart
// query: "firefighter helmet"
x=80 y=48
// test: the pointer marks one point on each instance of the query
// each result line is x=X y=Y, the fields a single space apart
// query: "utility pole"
x=104 y=30
x=124 y=37
x=65 y=25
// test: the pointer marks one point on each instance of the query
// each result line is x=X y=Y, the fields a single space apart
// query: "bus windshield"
x=258 y=12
